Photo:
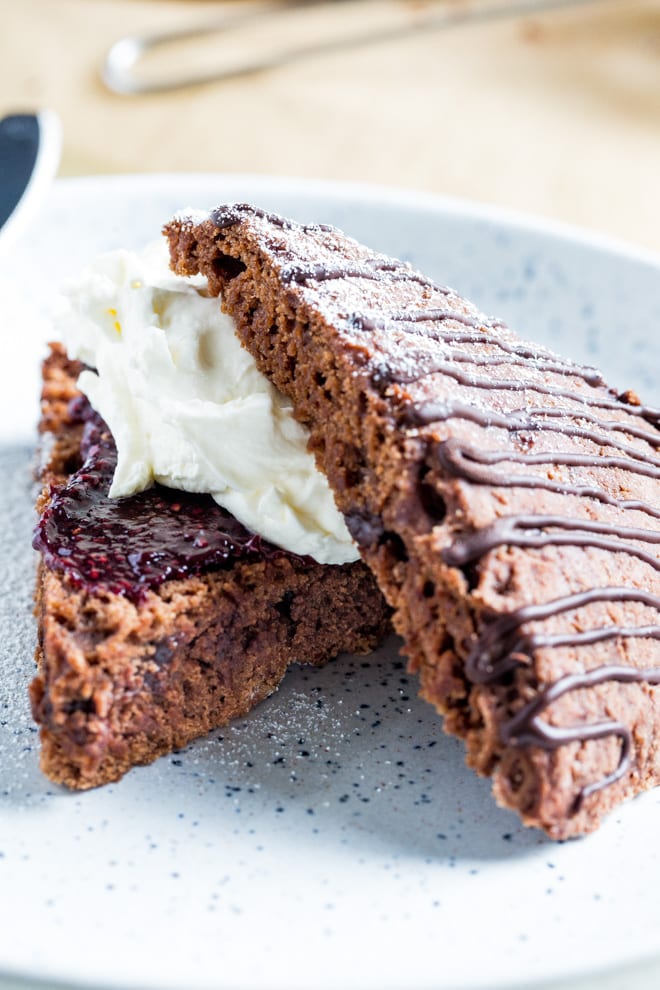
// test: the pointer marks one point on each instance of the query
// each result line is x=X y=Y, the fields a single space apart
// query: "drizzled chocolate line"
x=466 y=462
x=436 y=411
x=425 y=413
x=554 y=362
x=493 y=654
x=440 y=315
x=638 y=463
x=430 y=412
x=512 y=359
x=383 y=376
x=605 y=424
x=372 y=268
x=513 y=531
x=371 y=323
x=302 y=274
x=228 y=216
x=474 y=465
x=527 y=729
x=501 y=648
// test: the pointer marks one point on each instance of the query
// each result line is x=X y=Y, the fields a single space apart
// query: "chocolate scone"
x=506 y=499
x=160 y=616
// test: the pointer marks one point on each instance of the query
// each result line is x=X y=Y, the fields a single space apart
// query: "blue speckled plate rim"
x=391 y=196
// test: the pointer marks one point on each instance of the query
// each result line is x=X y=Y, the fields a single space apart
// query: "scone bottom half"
x=506 y=499
x=137 y=659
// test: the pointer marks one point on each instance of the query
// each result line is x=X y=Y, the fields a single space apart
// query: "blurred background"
x=553 y=111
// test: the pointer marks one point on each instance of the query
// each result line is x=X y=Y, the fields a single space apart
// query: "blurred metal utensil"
x=119 y=75
x=29 y=155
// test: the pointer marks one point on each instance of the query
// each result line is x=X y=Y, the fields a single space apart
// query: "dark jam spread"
x=129 y=545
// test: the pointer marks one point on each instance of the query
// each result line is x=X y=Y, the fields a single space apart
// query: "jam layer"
x=130 y=545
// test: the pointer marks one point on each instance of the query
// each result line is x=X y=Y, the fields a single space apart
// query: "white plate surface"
x=334 y=838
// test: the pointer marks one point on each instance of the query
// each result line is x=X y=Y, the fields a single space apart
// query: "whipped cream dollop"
x=187 y=406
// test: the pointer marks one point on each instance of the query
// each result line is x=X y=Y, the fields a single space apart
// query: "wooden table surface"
x=556 y=114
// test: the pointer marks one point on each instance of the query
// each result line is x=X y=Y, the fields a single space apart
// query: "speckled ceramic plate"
x=334 y=838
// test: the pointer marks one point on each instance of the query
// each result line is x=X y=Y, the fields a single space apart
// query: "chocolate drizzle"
x=495 y=652
x=228 y=216
x=374 y=268
x=502 y=646
x=528 y=729
x=524 y=419
x=472 y=352
x=538 y=531
x=467 y=462
x=517 y=353
x=377 y=269
x=385 y=375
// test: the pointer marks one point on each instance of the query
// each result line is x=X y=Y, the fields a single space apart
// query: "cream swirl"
x=187 y=406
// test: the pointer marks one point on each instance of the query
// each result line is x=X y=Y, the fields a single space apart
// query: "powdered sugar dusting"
x=190 y=214
x=19 y=775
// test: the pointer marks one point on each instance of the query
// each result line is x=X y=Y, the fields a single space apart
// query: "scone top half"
x=506 y=499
